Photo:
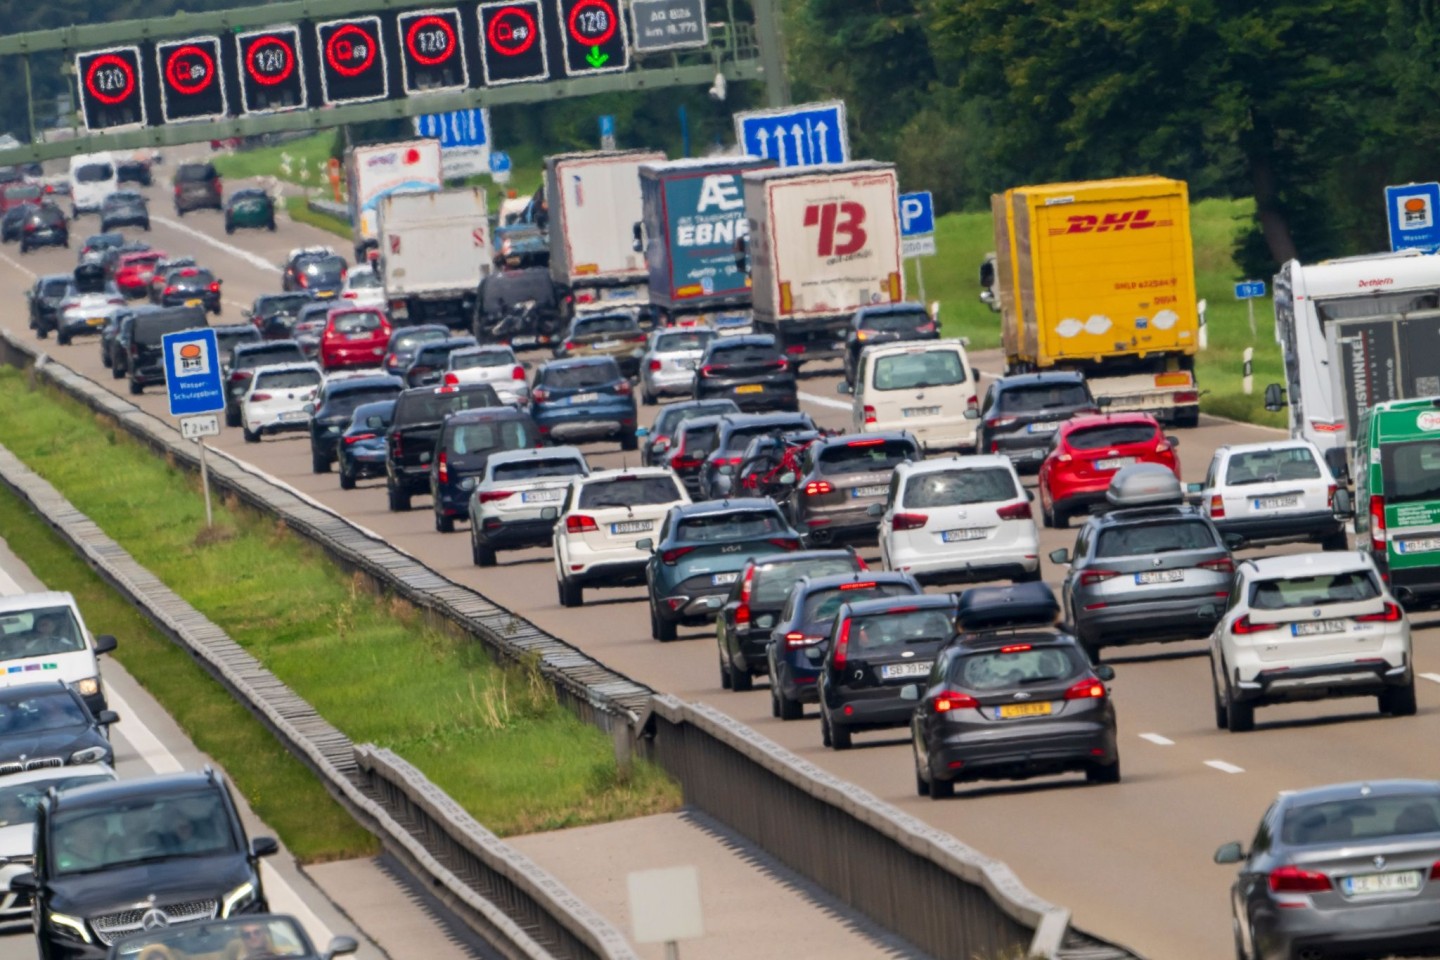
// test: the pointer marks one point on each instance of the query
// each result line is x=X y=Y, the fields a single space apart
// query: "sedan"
x=249 y=208
x=671 y=357
x=361 y=451
x=1085 y=454
x=615 y=335
x=584 y=399
x=749 y=370
x=125 y=208
x=85 y=313
x=48 y=724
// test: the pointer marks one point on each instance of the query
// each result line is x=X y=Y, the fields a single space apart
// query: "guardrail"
x=330 y=208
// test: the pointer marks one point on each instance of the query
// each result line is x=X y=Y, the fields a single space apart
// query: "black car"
x=464 y=446
x=750 y=370
x=12 y=221
x=1021 y=413
x=44 y=226
x=109 y=343
x=657 y=440
x=1008 y=700
x=44 y=297
x=694 y=441
x=404 y=341
x=124 y=208
x=716 y=475
x=885 y=323
x=334 y=408
x=431 y=359
x=134 y=171
x=243 y=361
x=520 y=304
x=176 y=837
x=274 y=314
x=227 y=338
x=141 y=339
x=48 y=725
x=410 y=442
x=322 y=275
x=191 y=287
x=742 y=630
x=197 y=186
x=360 y=454
x=876 y=648
x=839 y=478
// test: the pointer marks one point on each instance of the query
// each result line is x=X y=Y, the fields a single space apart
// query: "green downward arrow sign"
x=595 y=58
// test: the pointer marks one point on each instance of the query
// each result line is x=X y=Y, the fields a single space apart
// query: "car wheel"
x=145 y=226
x=628 y=441
x=115 y=372
x=740 y=680
x=1030 y=576
x=270 y=226
x=572 y=593
x=725 y=681
x=229 y=227
x=179 y=210
x=1336 y=541
x=399 y=500
x=840 y=739
x=250 y=435
x=24 y=247
x=1222 y=714
x=1092 y=649
x=347 y=479
x=1104 y=774
x=319 y=463
x=789 y=709
x=1399 y=701
x=1188 y=418
x=41 y=333
x=1240 y=717
x=232 y=417
x=136 y=388
x=922 y=786
x=660 y=629
x=1047 y=515
x=942 y=789
x=444 y=524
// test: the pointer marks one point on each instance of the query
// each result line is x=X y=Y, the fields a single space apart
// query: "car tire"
x=1188 y=418
x=571 y=593
x=270 y=226
x=1239 y=717
x=232 y=417
x=628 y=441
x=347 y=479
x=942 y=789
x=741 y=681
x=1399 y=701
x=319 y=463
x=399 y=500
x=136 y=387
x=179 y=210
x=229 y=227
x=646 y=397
x=786 y=708
x=41 y=333
x=1030 y=576
x=660 y=629
x=1092 y=649
x=1336 y=541
x=483 y=556
x=145 y=226
x=726 y=681
x=444 y=524
x=115 y=372
x=1104 y=774
x=1222 y=713
x=922 y=786
x=840 y=737
x=251 y=436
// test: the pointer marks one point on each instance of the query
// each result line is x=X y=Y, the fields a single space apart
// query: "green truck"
x=1397 y=496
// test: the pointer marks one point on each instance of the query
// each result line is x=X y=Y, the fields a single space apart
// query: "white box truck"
x=823 y=241
x=434 y=248
x=379 y=170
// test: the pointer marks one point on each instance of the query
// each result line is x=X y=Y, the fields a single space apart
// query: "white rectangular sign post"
x=192 y=378
x=665 y=907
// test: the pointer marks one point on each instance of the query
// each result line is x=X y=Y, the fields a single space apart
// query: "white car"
x=20 y=795
x=516 y=501
x=82 y=313
x=279 y=397
x=607 y=526
x=1306 y=627
x=926 y=387
x=959 y=519
x=671 y=356
x=492 y=363
x=363 y=287
x=45 y=632
x=1275 y=492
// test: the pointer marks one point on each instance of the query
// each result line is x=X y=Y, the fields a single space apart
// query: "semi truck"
x=379 y=170
x=591 y=203
x=1099 y=277
x=1354 y=332
x=434 y=249
x=694 y=211
x=822 y=242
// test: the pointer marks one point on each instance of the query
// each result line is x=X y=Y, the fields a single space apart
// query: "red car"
x=134 y=271
x=353 y=337
x=1085 y=455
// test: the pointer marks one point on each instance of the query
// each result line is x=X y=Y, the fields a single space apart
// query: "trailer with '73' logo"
x=822 y=242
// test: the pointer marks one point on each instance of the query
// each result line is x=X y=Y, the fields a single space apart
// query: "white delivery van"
x=92 y=179
x=924 y=386
x=42 y=637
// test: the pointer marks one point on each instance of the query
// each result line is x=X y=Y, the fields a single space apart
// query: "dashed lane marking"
x=1157 y=739
x=1224 y=767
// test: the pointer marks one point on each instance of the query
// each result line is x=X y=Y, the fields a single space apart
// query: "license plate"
x=541 y=496
x=1113 y=463
x=1427 y=545
x=585 y=398
x=294 y=415
x=750 y=388
x=1274 y=503
x=605 y=344
x=896 y=671
x=968 y=533
x=919 y=411
x=732 y=320
x=194 y=302
x=1160 y=576
x=1397 y=882
x=1010 y=711
x=879 y=491
x=687 y=364
x=619 y=293
x=1043 y=427
x=630 y=526
x=1315 y=628
x=95 y=321
x=721 y=579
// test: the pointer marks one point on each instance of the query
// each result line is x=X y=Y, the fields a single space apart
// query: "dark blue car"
x=361 y=450
x=584 y=399
x=337 y=403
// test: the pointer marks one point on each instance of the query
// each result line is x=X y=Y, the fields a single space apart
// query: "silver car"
x=1341 y=870
x=492 y=363
x=671 y=356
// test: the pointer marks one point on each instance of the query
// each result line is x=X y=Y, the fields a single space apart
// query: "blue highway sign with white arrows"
x=457 y=128
x=799 y=136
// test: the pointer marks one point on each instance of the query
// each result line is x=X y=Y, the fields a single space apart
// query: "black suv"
x=1021 y=413
x=141 y=341
x=46 y=226
x=519 y=303
x=333 y=410
x=174 y=843
x=885 y=323
x=410 y=441
x=750 y=370
x=466 y=442
x=243 y=361
x=197 y=186
x=45 y=296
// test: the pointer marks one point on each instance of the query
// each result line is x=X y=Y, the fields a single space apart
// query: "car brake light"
x=996 y=423
x=655 y=364
x=518 y=373
x=188 y=272
x=1086 y=690
x=869 y=413
x=1015 y=648
x=1016 y=511
x=623 y=388
x=795 y=348
x=1390 y=615
x=1217 y=506
x=675 y=553
x=1244 y=627
x=451 y=379
x=443 y=468
x=302 y=280
x=580 y=523
x=842 y=643
x=1089 y=577
x=260 y=397
x=708 y=370
x=360 y=436
x=1222 y=565
x=491 y=496
x=215 y=287
x=350 y=295
x=1330 y=496
x=973 y=402
x=873 y=442
x=1292 y=879
x=785 y=543
x=169 y=289
x=908 y=521
x=540 y=395
x=858 y=585
x=742 y=612
x=816 y=487
x=1377 y=524
x=950 y=700
x=568 y=345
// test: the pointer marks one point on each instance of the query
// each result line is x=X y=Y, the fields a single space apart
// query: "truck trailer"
x=434 y=250
x=379 y=170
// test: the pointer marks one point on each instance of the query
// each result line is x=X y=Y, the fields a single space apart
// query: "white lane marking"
x=1224 y=767
x=251 y=258
x=1158 y=740
x=8 y=586
x=824 y=401
x=146 y=744
x=1432 y=677
x=18 y=265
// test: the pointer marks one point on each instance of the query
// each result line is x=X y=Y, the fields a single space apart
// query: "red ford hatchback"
x=354 y=337
x=1085 y=454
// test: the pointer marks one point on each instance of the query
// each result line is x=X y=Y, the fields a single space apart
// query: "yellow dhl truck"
x=1099 y=277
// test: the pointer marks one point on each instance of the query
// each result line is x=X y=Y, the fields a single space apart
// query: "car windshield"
x=1370 y=818
x=190 y=824
x=1267 y=466
x=287 y=379
x=596 y=326
x=409 y=342
x=628 y=492
x=467 y=438
x=356 y=322
x=742 y=355
x=26 y=191
x=55 y=709
x=890 y=632
x=897 y=322
x=730 y=525
x=508 y=289
x=39 y=632
x=1015 y=665
x=772 y=581
x=916 y=369
x=364 y=280
x=1144 y=539
x=953 y=488
x=1039 y=397
x=55 y=288
x=323 y=268
x=18 y=801
x=344 y=403
x=94 y=173
x=580 y=376
x=1348 y=587
x=683 y=340
x=268 y=936
x=865 y=456
x=271 y=353
x=1411 y=471
x=482 y=358
x=1111 y=435
x=537 y=469
x=825 y=603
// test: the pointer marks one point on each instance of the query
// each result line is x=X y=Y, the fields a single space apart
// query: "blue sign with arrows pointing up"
x=799 y=136
x=457 y=128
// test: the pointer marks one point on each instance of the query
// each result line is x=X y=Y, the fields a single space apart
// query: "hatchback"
x=337 y=403
x=244 y=359
x=249 y=208
x=493 y=363
x=404 y=341
x=191 y=287
x=671 y=357
x=584 y=399
x=321 y=275
x=276 y=399
x=44 y=226
x=839 y=478
x=197 y=186
x=1020 y=413
x=363 y=287
x=466 y=442
x=749 y=370
x=134 y=271
x=515 y=503
x=274 y=314
x=605 y=527
x=616 y=335
x=716 y=476
x=885 y=323
x=661 y=435
x=125 y=208
x=361 y=452
x=1086 y=452
x=1273 y=492
x=353 y=337
x=431 y=359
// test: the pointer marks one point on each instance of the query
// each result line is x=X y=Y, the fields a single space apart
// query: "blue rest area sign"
x=1411 y=211
x=1250 y=290
x=798 y=136
x=917 y=214
x=192 y=372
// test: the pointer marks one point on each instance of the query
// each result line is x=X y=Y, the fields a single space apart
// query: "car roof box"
x=1021 y=604
x=1144 y=485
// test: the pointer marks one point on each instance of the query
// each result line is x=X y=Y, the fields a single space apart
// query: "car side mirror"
x=550 y=513
x=341 y=946
x=24 y=883
x=972 y=414
x=911 y=691
x=1275 y=398
x=263 y=846
x=875 y=510
x=104 y=643
x=1061 y=556
x=1105 y=672
x=787 y=478
x=107 y=717
x=1234 y=541
x=1172 y=440
x=843 y=387
x=641 y=432
x=1231 y=852
x=1343 y=506
x=646 y=544
x=1103 y=401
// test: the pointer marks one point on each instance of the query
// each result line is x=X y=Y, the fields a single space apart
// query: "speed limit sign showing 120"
x=190 y=85
x=272 y=77
x=110 y=88
x=593 y=33
x=431 y=52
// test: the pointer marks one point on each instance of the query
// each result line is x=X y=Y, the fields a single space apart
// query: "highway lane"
x=1132 y=861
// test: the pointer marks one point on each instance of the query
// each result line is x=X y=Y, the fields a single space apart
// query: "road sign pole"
x=205 y=482
x=1250 y=308
x=920 y=276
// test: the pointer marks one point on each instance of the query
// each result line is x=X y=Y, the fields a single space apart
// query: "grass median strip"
x=495 y=739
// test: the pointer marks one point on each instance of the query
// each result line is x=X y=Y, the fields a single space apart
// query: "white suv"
x=1307 y=627
x=607 y=526
x=279 y=397
x=515 y=503
x=1274 y=492
x=959 y=519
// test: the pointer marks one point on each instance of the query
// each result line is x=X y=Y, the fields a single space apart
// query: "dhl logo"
x=1124 y=220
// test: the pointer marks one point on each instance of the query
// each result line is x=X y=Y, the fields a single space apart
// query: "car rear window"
x=432 y=406
x=892 y=632
x=953 y=488
x=740 y=437
x=669 y=420
x=1370 y=818
x=1015 y=665
x=466 y=438
x=23 y=192
x=1038 y=397
x=54 y=288
x=259 y=357
x=364 y=280
x=411 y=341
x=1144 y=539
x=910 y=371
x=897 y=322
x=225 y=340
x=358 y=322
x=1347 y=587
x=1267 y=466
x=482 y=358
x=195 y=173
x=122 y=196
x=593 y=326
x=94 y=173
x=684 y=340
x=1111 y=435
x=700 y=441
x=825 y=603
x=865 y=456
x=325 y=268
x=629 y=492
x=730 y=525
x=286 y=379
x=742 y=354
x=583 y=375
x=286 y=304
x=432 y=354
x=772 y=581
x=345 y=402
x=1411 y=471
x=519 y=286
x=538 y=468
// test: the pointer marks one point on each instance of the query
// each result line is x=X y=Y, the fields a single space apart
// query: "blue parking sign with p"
x=192 y=372
x=917 y=214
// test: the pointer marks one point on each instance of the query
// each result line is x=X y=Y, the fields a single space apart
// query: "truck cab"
x=1397 y=496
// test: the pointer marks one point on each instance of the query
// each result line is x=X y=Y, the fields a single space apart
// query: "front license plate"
x=1160 y=576
x=722 y=579
x=879 y=491
x=1045 y=426
x=194 y=302
x=1274 y=503
x=1313 y=628
x=541 y=496
x=630 y=526
x=897 y=671
x=750 y=388
x=968 y=533
x=1426 y=545
x=919 y=411
x=1010 y=711
x=585 y=398
x=1113 y=463
x=1397 y=882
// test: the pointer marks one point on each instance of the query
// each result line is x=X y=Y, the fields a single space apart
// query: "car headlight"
x=238 y=899
x=89 y=755
x=88 y=687
x=73 y=926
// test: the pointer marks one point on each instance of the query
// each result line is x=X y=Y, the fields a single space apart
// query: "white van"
x=924 y=386
x=43 y=637
x=92 y=179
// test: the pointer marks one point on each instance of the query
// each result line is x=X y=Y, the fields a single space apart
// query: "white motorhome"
x=1354 y=332
x=92 y=178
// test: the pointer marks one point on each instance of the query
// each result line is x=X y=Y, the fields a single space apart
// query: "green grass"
x=495 y=739
x=283 y=791
x=300 y=212
x=308 y=157
x=963 y=240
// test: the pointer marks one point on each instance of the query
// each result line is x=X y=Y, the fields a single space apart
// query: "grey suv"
x=197 y=186
x=1020 y=414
